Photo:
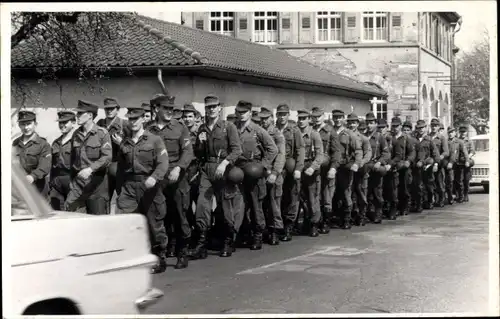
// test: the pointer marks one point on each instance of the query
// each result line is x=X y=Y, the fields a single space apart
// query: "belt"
x=212 y=159
x=135 y=177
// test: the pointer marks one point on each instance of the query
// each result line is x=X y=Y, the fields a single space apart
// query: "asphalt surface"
x=434 y=262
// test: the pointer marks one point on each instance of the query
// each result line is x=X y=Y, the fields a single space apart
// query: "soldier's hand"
x=30 y=179
x=449 y=166
x=116 y=138
x=202 y=136
x=309 y=171
x=331 y=173
x=467 y=164
x=441 y=157
x=221 y=169
x=85 y=173
x=435 y=168
x=407 y=164
x=296 y=175
x=150 y=182
x=388 y=167
x=376 y=166
x=420 y=164
x=174 y=174
x=271 y=179
x=354 y=167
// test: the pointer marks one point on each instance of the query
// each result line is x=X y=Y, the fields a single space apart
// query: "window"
x=265 y=27
x=375 y=26
x=222 y=22
x=329 y=26
x=381 y=112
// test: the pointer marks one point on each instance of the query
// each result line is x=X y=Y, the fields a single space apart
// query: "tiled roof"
x=153 y=42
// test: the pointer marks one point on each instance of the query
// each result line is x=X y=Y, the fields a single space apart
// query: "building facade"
x=408 y=54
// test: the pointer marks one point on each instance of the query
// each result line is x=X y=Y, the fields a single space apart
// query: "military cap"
x=256 y=118
x=370 y=117
x=463 y=128
x=110 y=102
x=163 y=100
x=451 y=129
x=283 y=108
x=441 y=125
x=317 y=111
x=134 y=112
x=408 y=124
x=231 y=117
x=303 y=112
x=362 y=125
x=64 y=116
x=395 y=121
x=243 y=106
x=26 y=116
x=420 y=124
x=189 y=107
x=435 y=121
x=338 y=113
x=265 y=112
x=352 y=117
x=85 y=106
x=212 y=99
x=146 y=106
x=381 y=123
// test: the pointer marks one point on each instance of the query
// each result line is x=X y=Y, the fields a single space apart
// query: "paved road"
x=436 y=261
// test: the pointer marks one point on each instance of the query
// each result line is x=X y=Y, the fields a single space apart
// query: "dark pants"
x=91 y=195
x=177 y=202
x=374 y=192
x=387 y=191
x=429 y=186
x=393 y=191
x=254 y=192
x=439 y=181
x=135 y=198
x=272 y=204
x=194 y=177
x=448 y=180
x=467 y=177
x=404 y=192
x=111 y=186
x=59 y=190
x=309 y=196
x=343 y=192
x=290 y=199
x=327 y=192
x=359 y=194
x=417 y=187
x=460 y=180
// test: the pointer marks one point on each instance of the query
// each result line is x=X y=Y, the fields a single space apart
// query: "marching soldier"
x=458 y=155
x=442 y=145
x=177 y=140
x=351 y=155
x=142 y=165
x=377 y=167
x=117 y=129
x=178 y=112
x=258 y=148
x=231 y=118
x=91 y=153
x=407 y=129
x=148 y=114
x=426 y=161
x=360 y=178
x=272 y=202
x=311 y=180
x=294 y=153
x=331 y=158
x=387 y=179
x=32 y=151
x=463 y=171
x=217 y=148
x=60 y=173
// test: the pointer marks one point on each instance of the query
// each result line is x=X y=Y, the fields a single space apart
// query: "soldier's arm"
x=161 y=160
x=121 y=167
x=318 y=150
x=270 y=148
x=106 y=152
x=464 y=149
x=444 y=143
x=397 y=152
x=279 y=162
x=357 y=148
x=385 y=155
x=334 y=150
x=367 y=151
x=234 y=144
x=410 y=150
x=187 y=154
x=434 y=151
x=300 y=151
x=470 y=149
x=44 y=163
x=453 y=148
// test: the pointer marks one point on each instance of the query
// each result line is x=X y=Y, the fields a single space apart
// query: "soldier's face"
x=303 y=121
x=407 y=130
x=463 y=134
x=337 y=121
x=420 y=130
x=147 y=116
x=111 y=112
x=27 y=127
x=396 y=129
x=188 y=119
x=383 y=130
x=83 y=117
x=282 y=118
x=66 y=126
x=243 y=116
x=353 y=125
x=166 y=113
x=317 y=120
x=212 y=111
x=435 y=128
x=441 y=131
x=372 y=125
x=266 y=122
x=136 y=123
x=452 y=135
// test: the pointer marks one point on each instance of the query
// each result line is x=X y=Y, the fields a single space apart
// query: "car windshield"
x=482 y=145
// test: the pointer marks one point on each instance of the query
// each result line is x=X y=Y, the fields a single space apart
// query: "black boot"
x=393 y=213
x=287 y=236
x=161 y=265
x=378 y=216
x=182 y=255
x=257 y=241
x=200 y=251
x=313 y=231
x=347 y=221
x=273 y=237
x=466 y=197
x=172 y=246
x=228 y=248
x=324 y=228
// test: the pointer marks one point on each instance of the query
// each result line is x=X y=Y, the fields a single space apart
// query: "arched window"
x=424 y=93
x=431 y=95
x=446 y=99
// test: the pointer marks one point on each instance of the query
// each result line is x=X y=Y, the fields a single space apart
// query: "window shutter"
x=305 y=32
x=306 y=22
x=243 y=25
x=396 y=29
x=285 y=27
x=201 y=20
x=352 y=26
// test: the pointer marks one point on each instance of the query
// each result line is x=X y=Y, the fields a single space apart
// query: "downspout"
x=160 y=80
x=453 y=65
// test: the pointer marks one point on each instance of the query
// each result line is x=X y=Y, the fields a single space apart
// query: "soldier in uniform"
x=463 y=169
x=117 y=128
x=272 y=202
x=458 y=155
x=294 y=150
x=442 y=144
x=32 y=151
x=60 y=173
x=148 y=114
x=177 y=140
x=387 y=179
x=426 y=161
x=360 y=178
x=311 y=179
x=377 y=167
x=258 y=147
x=91 y=153
x=256 y=119
x=351 y=155
x=407 y=129
x=217 y=148
x=231 y=118
x=331 y=158
x=178 y=112
x=142 y=165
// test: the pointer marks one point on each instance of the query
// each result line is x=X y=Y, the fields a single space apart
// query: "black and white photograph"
x=212 y=158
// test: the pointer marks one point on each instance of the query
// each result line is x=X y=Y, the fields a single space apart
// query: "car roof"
x=481 y=137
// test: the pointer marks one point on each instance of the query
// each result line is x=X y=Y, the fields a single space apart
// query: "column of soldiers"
x=270 y=178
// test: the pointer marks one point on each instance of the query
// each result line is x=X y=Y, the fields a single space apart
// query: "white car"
x=480 y=171
x=74 y=263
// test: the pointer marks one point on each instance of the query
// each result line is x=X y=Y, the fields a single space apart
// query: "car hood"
x=56 y=214
x=481 y=158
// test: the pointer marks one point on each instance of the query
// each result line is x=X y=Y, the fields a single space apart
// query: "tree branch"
x=27 y=28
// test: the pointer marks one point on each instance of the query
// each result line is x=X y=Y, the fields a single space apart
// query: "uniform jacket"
x=426 y=149
x=415 y=143
x=380 y=150
x=402 y=150
x=279 y=140
x=458 y=151
x=33 y=156
x=366 y=148
x=441 y=143
x=257 y=144
x=61 y=156
x=222 y=143
x=294 y=145
x=93 y=150
x=116 y=126
x=313 y=146
x=468 y=146
x=330 y=139
x=351 y=151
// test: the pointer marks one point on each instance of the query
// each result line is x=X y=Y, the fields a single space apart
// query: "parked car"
x=480 y=170
x=73 y=263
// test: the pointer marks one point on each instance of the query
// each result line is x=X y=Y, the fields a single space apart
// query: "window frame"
x=266 y=18
x=381 y=109
x=374 y=15
x=330 y=15
x=221 y=19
